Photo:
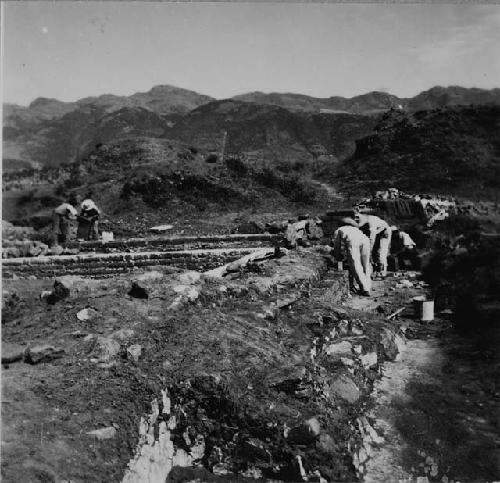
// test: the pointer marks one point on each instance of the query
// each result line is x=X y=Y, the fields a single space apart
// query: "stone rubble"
x=42 y=353
x=103 y=433
x=134 y=352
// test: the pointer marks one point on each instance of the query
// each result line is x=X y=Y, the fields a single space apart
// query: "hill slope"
x=288 y=126
x=47 y=132
x=270 y=132
x=455 y=150
x=61 y=141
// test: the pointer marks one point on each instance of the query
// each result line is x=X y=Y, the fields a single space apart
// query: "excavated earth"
x=271 y=372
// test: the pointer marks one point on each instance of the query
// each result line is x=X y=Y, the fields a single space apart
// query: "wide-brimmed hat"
x=89 y=205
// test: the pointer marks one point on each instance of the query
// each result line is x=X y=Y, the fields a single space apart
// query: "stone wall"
x=102 y=265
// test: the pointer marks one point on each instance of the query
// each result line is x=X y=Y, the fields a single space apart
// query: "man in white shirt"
x=61 y=219
x=379 y=233
x=351 y=244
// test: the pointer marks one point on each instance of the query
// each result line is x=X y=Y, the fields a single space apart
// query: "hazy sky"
x=70 y=50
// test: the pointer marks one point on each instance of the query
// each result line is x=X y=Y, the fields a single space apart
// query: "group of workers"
x=363 y=241
x=65 y=215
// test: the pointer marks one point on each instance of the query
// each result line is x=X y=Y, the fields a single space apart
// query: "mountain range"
x=50 y=132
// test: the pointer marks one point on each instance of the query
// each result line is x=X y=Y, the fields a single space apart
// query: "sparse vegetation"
x=450 y=151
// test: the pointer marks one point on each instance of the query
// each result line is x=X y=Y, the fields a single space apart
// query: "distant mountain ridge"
x=52 y=132
x=376 y=102
x=370 y=103
x=160 y=99
x=166 y=99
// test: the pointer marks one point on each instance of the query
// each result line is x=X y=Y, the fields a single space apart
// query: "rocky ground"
x=264 y=373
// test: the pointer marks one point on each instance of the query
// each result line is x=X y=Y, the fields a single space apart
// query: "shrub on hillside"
x=293 y=187
x=211 y=159
x=27 y=198
x=158 y=190
x=237 y=166
x=456 y=225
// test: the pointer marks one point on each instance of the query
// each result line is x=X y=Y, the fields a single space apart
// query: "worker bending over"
x=379 y=233
x=88 y=221
x=61 y=222
x=351 y=244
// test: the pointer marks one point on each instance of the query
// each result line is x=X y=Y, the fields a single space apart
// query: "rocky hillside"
x=294 y=126
x=265 y=132
x=140 y=182
x=270 y=132
x=62 y=140
x=49 y=132
x=455 y=150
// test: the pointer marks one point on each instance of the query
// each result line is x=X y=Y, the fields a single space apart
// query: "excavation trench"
x=435 y=411
x=241 y=368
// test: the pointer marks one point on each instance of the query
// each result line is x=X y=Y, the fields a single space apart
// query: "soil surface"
x=437 y=406
x=248 y=365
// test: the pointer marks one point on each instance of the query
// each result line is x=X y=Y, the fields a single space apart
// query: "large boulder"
x=37 y=248
x=103 y=348
x=314 y=230
x=391 y=343
x=345 y=388
x=339 y=349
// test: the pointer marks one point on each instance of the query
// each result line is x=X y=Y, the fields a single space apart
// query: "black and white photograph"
x=250 y=241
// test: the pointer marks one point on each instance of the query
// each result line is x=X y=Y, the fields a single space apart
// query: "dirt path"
x=332 y=195
x=422 y=360
x=437 y=406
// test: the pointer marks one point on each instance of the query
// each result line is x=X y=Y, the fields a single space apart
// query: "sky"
x=69 y=50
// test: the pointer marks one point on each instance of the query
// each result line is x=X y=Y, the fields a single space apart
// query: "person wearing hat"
x=352 y=245
x=380 y=233
x=88 y=221
x=62 y=217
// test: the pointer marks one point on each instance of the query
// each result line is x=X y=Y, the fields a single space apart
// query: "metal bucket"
x=423 y=309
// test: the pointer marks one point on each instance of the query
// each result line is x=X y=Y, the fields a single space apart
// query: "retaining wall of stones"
x=178 y=243
x=101 y=265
